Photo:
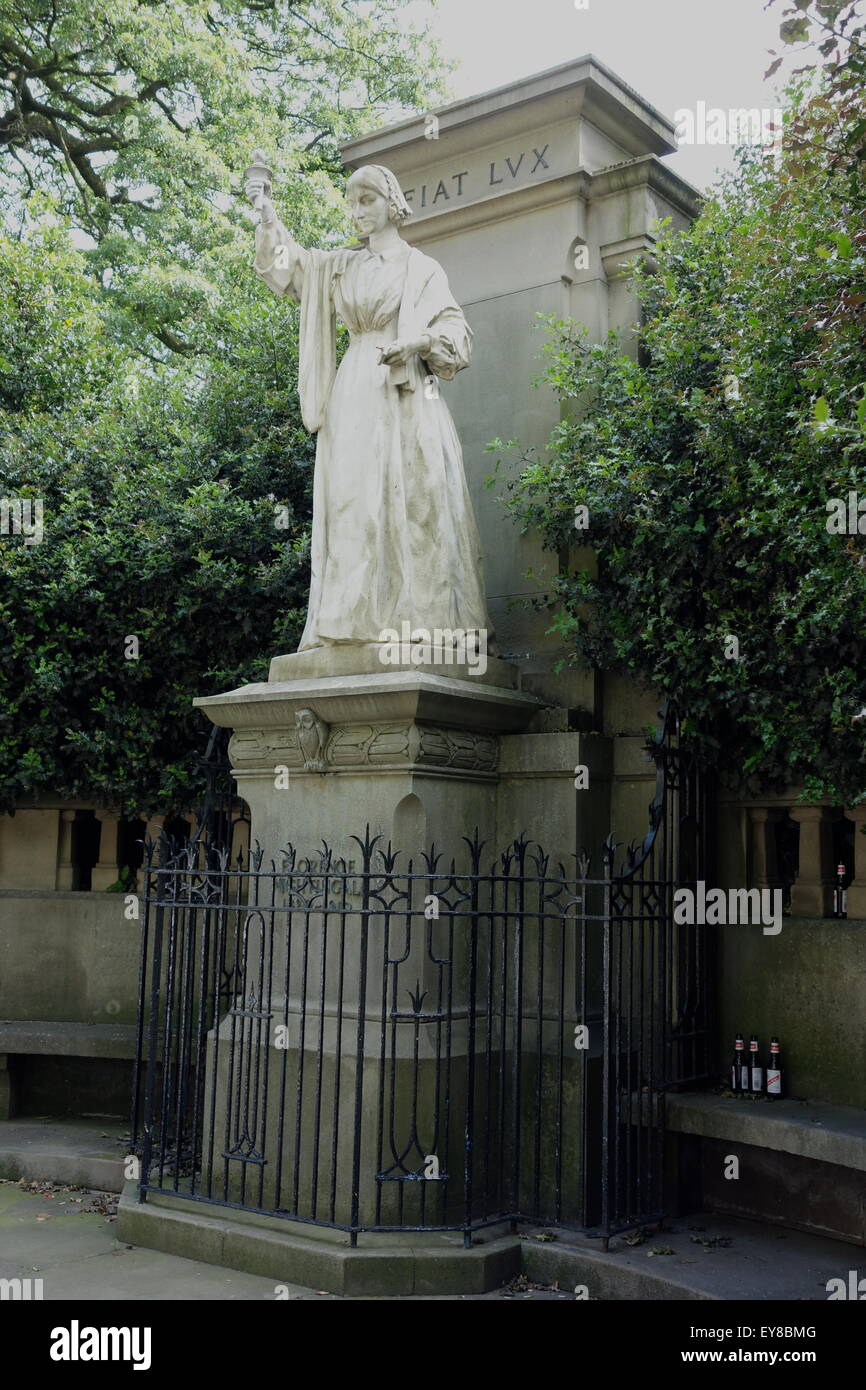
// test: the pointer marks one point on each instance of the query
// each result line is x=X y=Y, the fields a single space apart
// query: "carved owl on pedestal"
x=312 y=735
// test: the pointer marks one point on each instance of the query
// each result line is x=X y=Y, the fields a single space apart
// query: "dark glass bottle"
x=737 y=1063
x=840 y=893
x=756 y=1071
x=774 y=1071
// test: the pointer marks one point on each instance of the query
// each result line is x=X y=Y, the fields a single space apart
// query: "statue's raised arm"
x=280 y=260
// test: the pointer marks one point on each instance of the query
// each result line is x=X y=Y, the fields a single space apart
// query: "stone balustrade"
x=68 y=846
x=751 y=833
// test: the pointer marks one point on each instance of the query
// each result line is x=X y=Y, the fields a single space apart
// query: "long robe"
x=394 y=536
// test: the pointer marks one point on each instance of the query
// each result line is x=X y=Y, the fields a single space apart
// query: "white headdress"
x=385 y=182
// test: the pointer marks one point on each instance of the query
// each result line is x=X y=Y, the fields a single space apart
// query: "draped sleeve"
x=308 y=276
x=280 y=261
x=437 y=313
x=451 y=348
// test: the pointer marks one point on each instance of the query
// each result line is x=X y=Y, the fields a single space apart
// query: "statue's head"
x=375 y=198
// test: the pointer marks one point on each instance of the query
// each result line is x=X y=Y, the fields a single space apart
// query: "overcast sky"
x=674 y=52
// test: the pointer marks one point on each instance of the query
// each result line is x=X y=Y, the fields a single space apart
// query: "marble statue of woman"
x=394 y=537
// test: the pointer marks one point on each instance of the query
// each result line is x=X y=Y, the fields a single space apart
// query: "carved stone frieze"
x=313 y=747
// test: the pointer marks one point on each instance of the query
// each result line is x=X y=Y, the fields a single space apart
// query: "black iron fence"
x=371 y=1044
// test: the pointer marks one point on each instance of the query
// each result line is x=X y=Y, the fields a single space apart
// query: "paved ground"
x=65 y=1236
x=87 y=1150
x=56 y=1226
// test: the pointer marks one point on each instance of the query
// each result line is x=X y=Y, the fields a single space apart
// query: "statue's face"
x=370 y=210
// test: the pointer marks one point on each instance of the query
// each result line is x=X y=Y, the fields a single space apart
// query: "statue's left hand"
x=395 y=354
x=398 y=352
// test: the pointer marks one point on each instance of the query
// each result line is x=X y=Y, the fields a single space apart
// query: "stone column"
x=105 y=871
x=7 y=1092
x=764 y=869
x=619 y=261
x=812 y=893
x=857 y=887
x=65 y=867
x=733 y=847
x=240 y=835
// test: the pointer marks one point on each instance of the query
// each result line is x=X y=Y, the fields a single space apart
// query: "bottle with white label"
x=756 y=1071
x=840 y=893
x=774 y=1071
x=737 y=1063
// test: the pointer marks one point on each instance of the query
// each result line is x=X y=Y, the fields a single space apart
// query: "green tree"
x=708 y=474
x=140 y=117
x=175 y=513
x=148 y=381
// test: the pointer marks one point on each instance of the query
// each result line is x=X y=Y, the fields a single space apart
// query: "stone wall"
x=67 y=957
x=806 y=986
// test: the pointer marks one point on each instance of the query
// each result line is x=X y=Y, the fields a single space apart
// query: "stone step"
x=84 y=1151
x=707 y=1257
x=696 y=1258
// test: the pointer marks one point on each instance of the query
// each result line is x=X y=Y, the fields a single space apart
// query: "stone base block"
x=290 y=1125
x=414 y=754
x=423 y=1265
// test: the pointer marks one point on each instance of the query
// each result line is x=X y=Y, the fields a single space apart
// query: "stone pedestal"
x=335 y=741
x=353 y=1008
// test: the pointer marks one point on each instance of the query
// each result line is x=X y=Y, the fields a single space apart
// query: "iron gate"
x=375 y=1045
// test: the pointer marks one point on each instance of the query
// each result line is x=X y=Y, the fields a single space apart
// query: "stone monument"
x=394 y=694
x=400 y=710
x=541 y=197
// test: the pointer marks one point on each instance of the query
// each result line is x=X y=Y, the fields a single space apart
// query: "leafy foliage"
x=139 y=119
x=159 y=498
x=148 y=381
x=835 y=27
x=707 y=475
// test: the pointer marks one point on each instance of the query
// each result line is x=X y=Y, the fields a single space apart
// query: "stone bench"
x=801 y=1163
x=810 y=1129
x=37 y=1037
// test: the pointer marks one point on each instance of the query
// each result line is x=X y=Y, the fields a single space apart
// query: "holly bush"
x=707 y=472
x=176 y=513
